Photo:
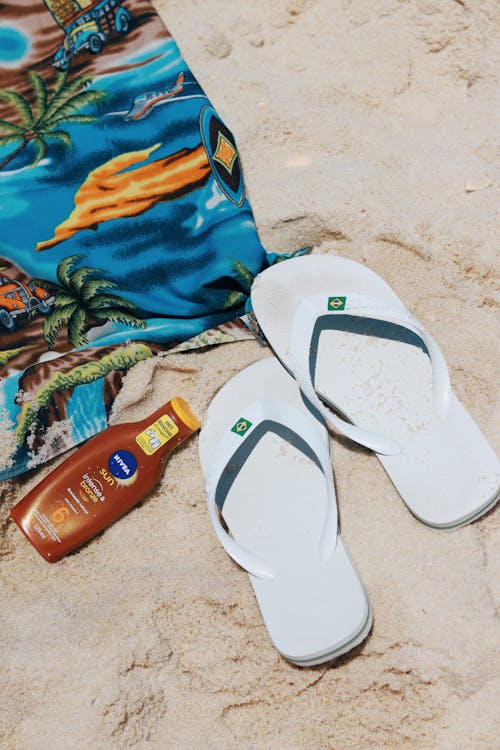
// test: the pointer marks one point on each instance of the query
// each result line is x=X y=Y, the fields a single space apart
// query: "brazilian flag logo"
x=241 y=427
x=336 y=303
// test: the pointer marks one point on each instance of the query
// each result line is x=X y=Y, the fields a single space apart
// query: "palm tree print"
x=244 y=279
x=82 y=299
x=39 y=123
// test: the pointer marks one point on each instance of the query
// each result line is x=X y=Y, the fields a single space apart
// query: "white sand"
x=361 y=124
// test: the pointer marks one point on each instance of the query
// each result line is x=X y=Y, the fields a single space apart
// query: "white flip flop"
x=267 y=466
x=350 y=343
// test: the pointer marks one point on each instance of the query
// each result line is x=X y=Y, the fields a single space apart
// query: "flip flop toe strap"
x=259 y=418
x=310 y=309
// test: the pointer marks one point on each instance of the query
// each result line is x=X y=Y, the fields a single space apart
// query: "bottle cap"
x=183 y=411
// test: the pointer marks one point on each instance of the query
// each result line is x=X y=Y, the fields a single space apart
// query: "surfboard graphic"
x=223 y=155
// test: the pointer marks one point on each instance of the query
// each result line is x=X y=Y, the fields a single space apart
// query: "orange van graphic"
x=20 y=299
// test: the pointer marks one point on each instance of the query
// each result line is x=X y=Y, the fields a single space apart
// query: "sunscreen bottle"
x=100 y=482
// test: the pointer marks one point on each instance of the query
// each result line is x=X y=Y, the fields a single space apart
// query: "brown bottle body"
x=101 y=481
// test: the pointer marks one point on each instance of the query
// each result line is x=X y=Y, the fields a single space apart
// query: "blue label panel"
x=122 y=464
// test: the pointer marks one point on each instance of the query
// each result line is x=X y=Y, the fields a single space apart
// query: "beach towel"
x=125 y=229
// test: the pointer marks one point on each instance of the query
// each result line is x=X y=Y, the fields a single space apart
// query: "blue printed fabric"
x=124 y=225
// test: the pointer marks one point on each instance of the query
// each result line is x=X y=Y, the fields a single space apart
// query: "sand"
x=367 y=130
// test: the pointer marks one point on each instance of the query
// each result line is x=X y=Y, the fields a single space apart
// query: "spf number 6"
x=60 y=515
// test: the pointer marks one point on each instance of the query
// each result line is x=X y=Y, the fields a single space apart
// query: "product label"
x=122 y=464
x=90 y=488
x=157 y=434
x=47 y=522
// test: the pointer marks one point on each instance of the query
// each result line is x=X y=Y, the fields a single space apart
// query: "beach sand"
x=367 y=130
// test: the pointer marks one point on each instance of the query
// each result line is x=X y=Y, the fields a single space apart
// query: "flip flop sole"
x=349 y=646
x=275 y=508
x=378 y=375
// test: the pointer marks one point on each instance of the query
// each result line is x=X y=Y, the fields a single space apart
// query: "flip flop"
x=352 y=345
x=268 y=473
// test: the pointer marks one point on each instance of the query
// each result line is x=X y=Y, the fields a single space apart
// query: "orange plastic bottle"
x=104 y=478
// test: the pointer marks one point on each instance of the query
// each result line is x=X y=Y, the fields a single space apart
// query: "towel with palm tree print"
x=125 y=229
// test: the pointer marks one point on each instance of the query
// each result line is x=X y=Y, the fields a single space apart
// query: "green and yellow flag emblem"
x=336 y=303
x=241 y=427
